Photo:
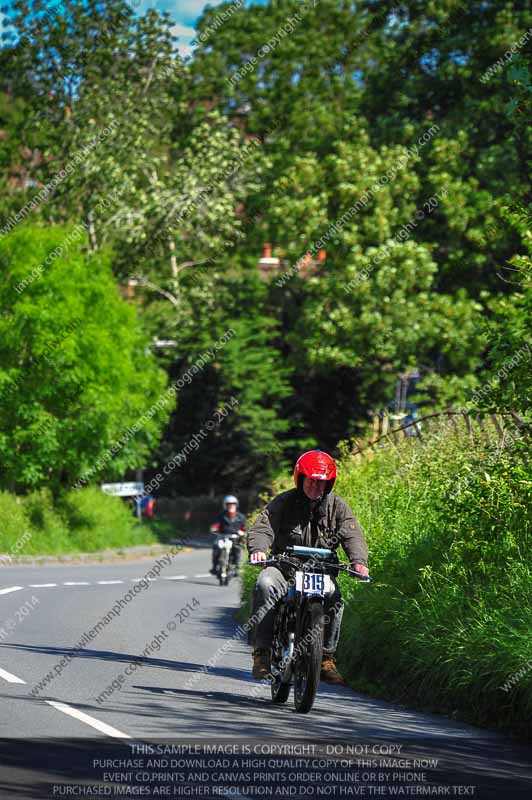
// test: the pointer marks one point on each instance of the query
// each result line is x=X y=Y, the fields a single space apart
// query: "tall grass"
x=448 y=619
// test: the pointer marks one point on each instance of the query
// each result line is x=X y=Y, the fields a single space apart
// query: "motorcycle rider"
x=314 y=516
x=228 y=522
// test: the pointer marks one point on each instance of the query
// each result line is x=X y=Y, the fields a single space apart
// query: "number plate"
x=311 y=583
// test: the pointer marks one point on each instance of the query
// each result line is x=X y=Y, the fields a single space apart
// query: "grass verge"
x=85 y=520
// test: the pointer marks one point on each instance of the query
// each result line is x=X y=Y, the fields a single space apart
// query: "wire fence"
x=502 y=427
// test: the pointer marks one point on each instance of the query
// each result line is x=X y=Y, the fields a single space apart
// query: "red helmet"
x=315 y=464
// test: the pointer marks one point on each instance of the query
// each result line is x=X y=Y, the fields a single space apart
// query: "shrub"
x=83 y=520
x=98 y=521
x=14 y=523
x=49 y=531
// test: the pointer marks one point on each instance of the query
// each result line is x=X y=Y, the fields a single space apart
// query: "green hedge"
x=447 y=621
x=82 y=520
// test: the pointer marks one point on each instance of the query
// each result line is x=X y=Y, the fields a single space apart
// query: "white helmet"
x=230 y=498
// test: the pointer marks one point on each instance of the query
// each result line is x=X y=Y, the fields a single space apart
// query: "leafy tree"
x=96 y=81
x=372 y=309
x=74 y=372
x=508 y=373
x=246 y=376
x=106 y=92
x=287 y=144
x=402 y=68
x=509 y=359
x=17 y=161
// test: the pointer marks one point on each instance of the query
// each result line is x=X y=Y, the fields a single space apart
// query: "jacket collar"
x=303 y=501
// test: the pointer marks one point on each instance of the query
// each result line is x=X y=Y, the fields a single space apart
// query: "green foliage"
x=446 y=622
x=510 y=353
x=14 y=521
x=246 y=374
x=508 y=371
x=98 y=81
x=97 y=521
x=401 y=69
x=82 y=520
x=203 y=160
x=74 y=374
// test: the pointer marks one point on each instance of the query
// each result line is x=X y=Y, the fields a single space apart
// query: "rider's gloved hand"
x=256 y=558
x=360 y=568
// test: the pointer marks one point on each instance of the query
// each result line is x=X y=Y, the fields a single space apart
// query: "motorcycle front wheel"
x=308 y=664
x=222 y=570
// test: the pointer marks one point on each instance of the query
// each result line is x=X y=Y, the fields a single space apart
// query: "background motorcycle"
x=226 y=567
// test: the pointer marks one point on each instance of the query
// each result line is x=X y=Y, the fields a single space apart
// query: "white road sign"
x=123 y=489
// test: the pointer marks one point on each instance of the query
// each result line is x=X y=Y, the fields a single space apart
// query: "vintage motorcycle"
x=299 y=622
x=226 y=567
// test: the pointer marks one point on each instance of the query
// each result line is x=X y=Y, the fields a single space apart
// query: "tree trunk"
x=91 y=230
x=173 y=260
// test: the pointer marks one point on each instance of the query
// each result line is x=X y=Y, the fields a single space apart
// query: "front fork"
x=295 y=633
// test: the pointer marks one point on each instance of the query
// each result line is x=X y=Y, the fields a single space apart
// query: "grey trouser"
x=271 y=586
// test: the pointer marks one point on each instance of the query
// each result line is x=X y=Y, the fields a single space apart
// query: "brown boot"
x=329 y=672
x=261 y=663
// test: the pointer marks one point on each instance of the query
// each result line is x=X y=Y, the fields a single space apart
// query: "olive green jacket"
x=286 y=521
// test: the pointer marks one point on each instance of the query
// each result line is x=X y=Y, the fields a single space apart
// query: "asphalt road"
x=57 y=732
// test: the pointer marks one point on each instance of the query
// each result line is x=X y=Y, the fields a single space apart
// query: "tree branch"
x=169 y=296
x=186 y=264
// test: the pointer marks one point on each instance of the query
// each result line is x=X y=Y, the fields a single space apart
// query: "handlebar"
x=279 y=559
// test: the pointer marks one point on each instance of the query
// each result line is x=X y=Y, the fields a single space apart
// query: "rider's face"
x=313 y=488
x=231 y=509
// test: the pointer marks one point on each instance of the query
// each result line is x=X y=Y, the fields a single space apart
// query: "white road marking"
x=8 y=676
x=42 y=585
x=106 y=582
x=102 y=583
x=94 y=723
x=76 y=583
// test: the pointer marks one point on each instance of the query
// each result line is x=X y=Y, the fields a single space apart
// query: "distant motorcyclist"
x=229 y=522
x=309 y=515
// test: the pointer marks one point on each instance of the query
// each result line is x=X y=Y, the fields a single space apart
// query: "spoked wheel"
x=280 y=691
x=222 y=569
x=308 y=665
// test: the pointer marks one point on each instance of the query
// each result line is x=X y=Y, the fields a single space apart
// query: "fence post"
x=450 y=417
x=498 y=427
x=467 y=421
